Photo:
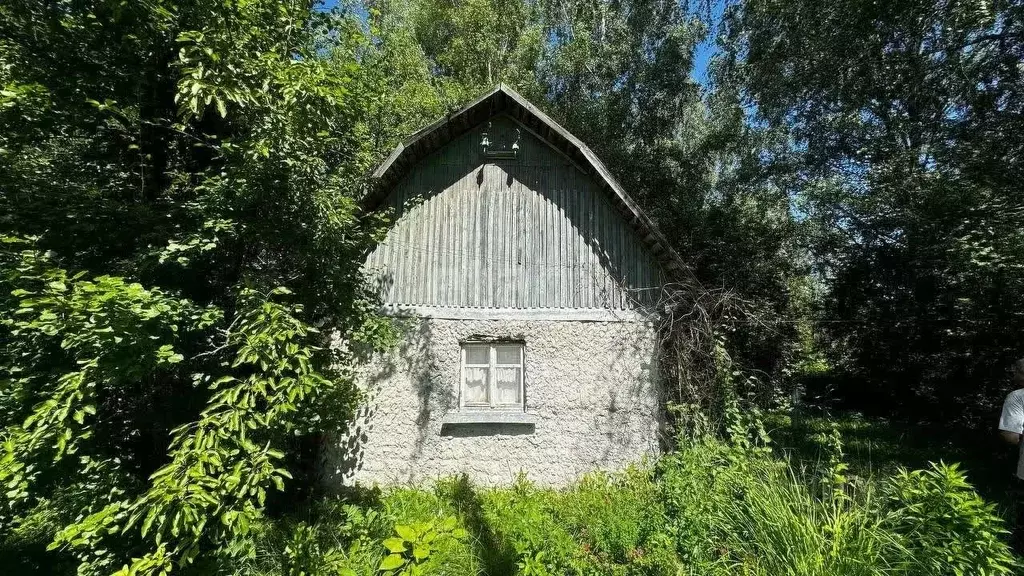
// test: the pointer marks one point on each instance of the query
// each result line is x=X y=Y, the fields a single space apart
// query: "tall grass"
x=711 y=508
x=778 y=527
x=741 y=511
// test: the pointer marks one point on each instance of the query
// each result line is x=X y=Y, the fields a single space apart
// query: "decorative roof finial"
x=485 y=142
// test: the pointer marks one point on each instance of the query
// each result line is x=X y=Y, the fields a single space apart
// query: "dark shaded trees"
x=906 y=161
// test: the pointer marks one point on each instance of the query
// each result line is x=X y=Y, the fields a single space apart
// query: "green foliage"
x=526 y=532
x=223 y=463
x=328 y=538
x=77 y=349
x=711 y=508
x=614 y=516
x=904 y=161
x=179 y=214
x=411 y=547
x=405 y=532
x=473 y=45
x=356 y=542
x=779 y=527
x=303 y=554
x=833 y=468
x=734 y=511
x=952 y=529
x=430 y=521
x=158 y=356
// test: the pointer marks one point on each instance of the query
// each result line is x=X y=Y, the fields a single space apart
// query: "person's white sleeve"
x=1012 y=418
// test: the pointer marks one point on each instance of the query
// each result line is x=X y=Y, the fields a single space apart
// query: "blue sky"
x=701 y=61
x=704 y=52
x=707 y=49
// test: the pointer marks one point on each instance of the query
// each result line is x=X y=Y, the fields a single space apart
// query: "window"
x=492 y=376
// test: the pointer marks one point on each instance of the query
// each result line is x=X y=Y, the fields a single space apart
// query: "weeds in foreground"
x=711 y=508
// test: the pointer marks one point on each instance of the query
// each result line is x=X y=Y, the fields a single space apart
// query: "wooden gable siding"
x=530 y=232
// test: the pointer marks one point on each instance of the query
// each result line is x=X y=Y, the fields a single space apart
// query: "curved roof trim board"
x=503 y=99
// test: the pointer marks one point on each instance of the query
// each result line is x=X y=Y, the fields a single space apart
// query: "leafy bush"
x=613 y=515
x=330 y=538
x=158 y=355
x=413 y=547
x=947 y=526
x=424 y=520
x=735 y=509
x=695 y=484
x=765 y=517
x=527 y=534
x=408 y=532
x=779 y=527
x=711 y=508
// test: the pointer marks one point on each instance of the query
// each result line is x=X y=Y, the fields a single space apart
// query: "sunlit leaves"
x=185 y=161
x=224 y=463
x=74 y=343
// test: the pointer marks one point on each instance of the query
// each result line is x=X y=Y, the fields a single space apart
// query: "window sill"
x=489 y=417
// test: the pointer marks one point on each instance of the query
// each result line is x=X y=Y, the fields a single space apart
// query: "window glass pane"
x=507 y=385
x=475 y=389
x=477 y=355
x=508 y=354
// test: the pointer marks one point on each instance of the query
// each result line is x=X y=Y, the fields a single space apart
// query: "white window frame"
x=491 y=366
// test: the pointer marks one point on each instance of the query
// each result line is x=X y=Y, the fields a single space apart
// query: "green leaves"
x=76 y=341
x=213 y=233
x=223 y=464
x=395 y=545
x=161 y=204
x=390 y=563
x=412 y=548
x=407 y=533
x=911 y=211
x=953 y=530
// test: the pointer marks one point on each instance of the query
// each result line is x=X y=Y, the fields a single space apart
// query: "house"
x=525 y=281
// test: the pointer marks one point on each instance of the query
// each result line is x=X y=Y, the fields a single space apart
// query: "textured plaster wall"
x=592 y=385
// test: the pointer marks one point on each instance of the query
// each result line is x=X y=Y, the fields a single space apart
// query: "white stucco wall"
x=592 y=386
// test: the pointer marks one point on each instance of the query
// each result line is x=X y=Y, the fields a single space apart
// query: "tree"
x=179 y=200
x=905 y=154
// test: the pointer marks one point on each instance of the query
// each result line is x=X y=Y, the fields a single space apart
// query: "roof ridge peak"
x=455 y=124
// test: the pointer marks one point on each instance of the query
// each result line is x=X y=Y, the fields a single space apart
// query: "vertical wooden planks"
x=534 y=232
x=482 y=244
x=410 y=245
x=494 y=244
x=472 y=279
x=544 y=227
x=517 y=225
x=601 y=300
x=531 y=246
x=559 y=191
x=576 y=240
x=461 y=225
x=400 y=257
x=595 y=250
x=447 y=242
x=510 y=243
x=428 y=281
